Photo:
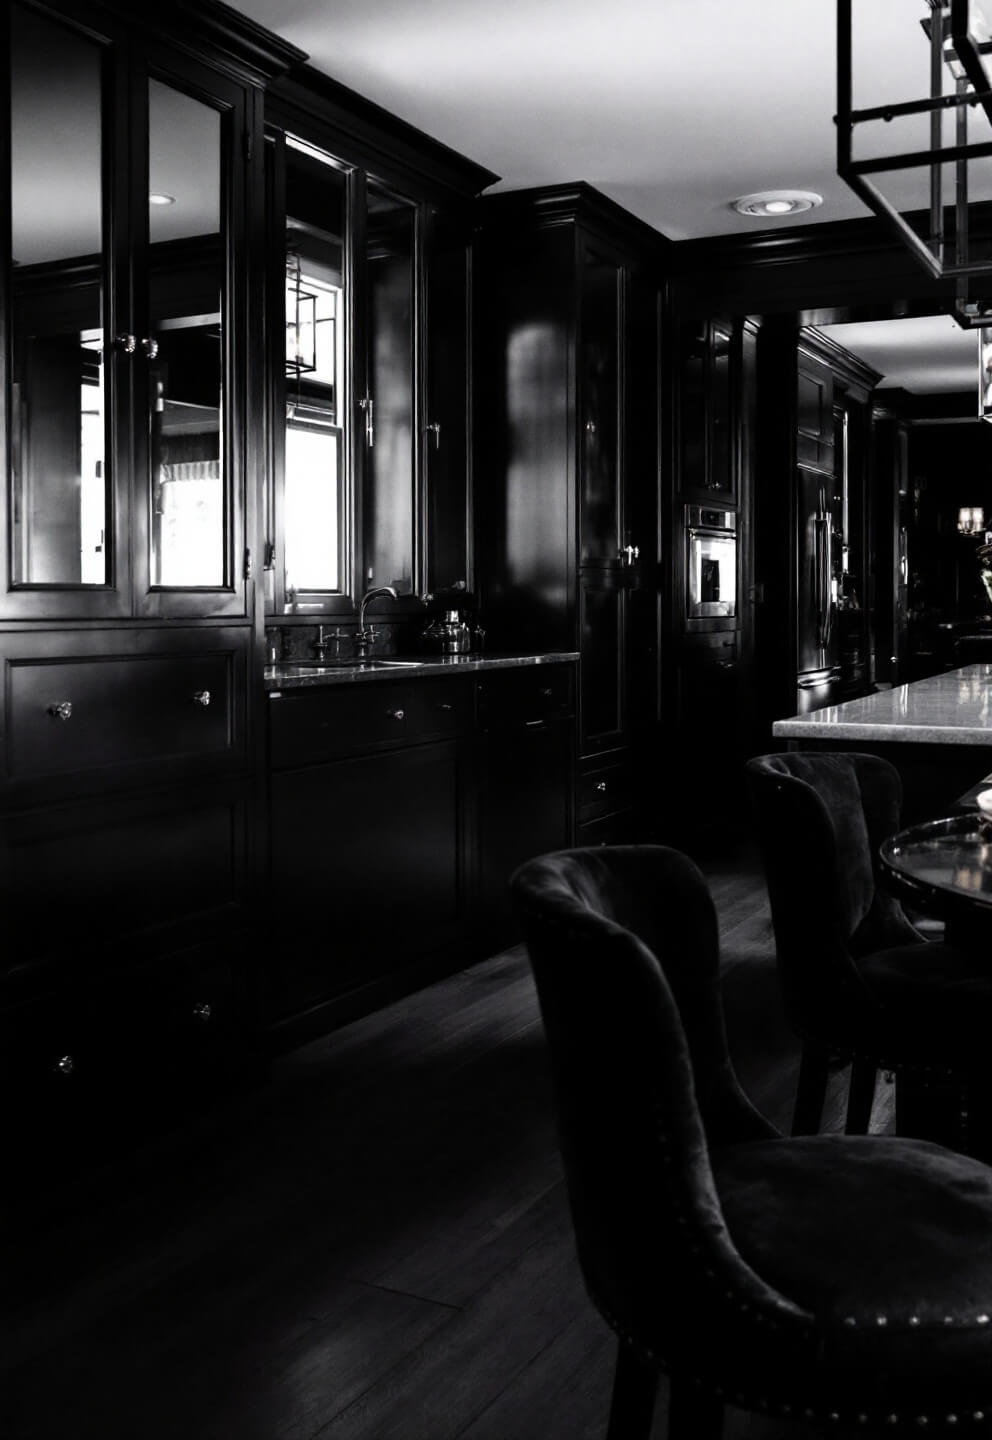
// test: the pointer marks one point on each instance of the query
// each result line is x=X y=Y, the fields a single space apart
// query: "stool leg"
x=860 y=1097
x=811 y=1091
x=635 y=1388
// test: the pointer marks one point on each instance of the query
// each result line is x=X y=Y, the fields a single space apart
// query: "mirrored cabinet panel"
x=313 y=503
x=185 y=347
x=189 y=350
x=60 y=520
x=127 y=221
x=388 y=403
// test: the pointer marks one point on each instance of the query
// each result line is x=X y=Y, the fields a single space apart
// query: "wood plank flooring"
x=373 y=1244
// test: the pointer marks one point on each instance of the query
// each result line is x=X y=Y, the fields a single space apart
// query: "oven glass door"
x=712 y=574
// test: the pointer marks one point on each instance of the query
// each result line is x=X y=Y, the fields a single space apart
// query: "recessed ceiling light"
x=773 y=203
x=158 y=198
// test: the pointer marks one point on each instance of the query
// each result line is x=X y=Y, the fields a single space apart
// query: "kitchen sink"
x=331 y=667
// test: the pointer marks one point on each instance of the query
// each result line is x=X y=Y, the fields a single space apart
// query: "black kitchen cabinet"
x=368 y=843
x=128 y=318
x=526 y=781
x=378 y=234
x=128 y=427
x=398 y=811
x=567 y=453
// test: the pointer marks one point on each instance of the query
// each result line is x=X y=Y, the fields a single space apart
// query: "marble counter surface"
x=950 y=709
x=291 y=676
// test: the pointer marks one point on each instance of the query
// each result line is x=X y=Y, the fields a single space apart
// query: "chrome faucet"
x=364 y=636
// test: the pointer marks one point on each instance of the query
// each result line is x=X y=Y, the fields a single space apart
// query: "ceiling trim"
x=307 y=101
x=550 y=205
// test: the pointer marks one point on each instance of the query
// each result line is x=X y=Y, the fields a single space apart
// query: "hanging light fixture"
x=960 y=42
x=301 y=322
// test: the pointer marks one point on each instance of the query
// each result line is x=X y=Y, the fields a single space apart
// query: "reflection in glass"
x=388 y=520
x=59 y=481
x=314 y=484
x=599 y=359
x=185 y=349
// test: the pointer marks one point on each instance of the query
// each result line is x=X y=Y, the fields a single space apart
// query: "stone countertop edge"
x=954 y=708
x=291 y=678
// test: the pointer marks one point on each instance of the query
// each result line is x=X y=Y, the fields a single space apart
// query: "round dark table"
x=943 y=867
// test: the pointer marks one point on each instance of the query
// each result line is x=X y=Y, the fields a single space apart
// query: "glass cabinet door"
x=447 y=552
x=599 y=427
x=191 y=560
x=60 y=555
x=310 y=555
x=388 y=408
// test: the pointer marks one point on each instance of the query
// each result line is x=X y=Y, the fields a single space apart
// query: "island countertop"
x=950 y=709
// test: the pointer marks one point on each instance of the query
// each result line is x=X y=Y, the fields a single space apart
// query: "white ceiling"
x=671 y=109
x=929 y=355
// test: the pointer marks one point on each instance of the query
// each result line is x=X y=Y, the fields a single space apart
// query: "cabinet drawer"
x=603 y=791
x=112 y=714
x=607 y=830
x=529 y=695
x=309 y=726
x=82 y=882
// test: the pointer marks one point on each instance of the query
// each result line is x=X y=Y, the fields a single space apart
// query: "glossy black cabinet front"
x=398 y=811
x=567 y=453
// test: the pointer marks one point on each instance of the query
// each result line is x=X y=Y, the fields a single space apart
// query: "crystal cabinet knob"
x=202 y=1012
x=201 y=697
x=61 y=710
x=65 y=1065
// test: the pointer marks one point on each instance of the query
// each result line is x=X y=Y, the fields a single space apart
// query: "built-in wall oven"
x=710 y=563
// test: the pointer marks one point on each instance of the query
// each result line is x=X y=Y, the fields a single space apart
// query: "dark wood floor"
x=371 y=1245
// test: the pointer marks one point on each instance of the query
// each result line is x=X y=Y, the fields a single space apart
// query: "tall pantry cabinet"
x=567 y=465
x=126 y=578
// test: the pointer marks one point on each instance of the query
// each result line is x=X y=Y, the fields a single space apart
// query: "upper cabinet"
x=370 y=262
x=708 y=421
x=568 y=463
x=126 y=287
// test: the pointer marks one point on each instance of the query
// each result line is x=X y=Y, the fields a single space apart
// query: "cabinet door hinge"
x=247 y=563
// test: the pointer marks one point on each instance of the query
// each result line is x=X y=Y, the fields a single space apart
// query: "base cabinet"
x=398 y=811
x=366 y=872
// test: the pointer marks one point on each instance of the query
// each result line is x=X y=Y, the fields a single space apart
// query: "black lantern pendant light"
x=301 y=322
x=941 y=235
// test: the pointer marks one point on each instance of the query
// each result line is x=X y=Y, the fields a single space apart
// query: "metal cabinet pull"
x=435 y=430
x=65 y=1066
x=396 y=714
x=630 y=553
x=61 y=710
x=150 y=347
x=444 y=705
x=367 y=404
x=201 y=697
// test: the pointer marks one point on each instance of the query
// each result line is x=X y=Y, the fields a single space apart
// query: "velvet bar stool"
x=838 y=1280
x=860 y=983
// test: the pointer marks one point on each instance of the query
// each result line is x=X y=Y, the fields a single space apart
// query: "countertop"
x=950 y=709
x=290 y=676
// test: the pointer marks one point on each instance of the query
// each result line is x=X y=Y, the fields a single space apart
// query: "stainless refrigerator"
x=818 y=641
